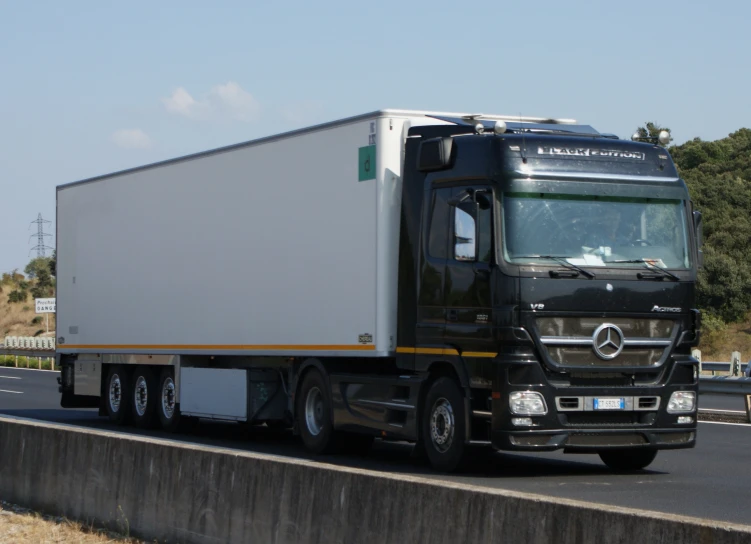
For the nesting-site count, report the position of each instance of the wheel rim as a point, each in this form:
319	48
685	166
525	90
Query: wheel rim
442	425
314	412
141	395
115	393
168	398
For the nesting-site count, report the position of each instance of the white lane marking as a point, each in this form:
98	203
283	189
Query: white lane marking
6	391
10	377
31	369
705	410
724	423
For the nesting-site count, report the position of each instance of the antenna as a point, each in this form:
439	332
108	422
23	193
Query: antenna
40	248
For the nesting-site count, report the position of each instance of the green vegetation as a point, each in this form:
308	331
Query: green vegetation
40	269
45	363
718	175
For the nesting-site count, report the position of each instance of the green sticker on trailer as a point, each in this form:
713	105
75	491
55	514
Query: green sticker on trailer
366	163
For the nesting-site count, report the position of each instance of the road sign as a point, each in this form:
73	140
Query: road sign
45	305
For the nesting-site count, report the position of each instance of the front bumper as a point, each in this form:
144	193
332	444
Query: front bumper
574	425
592	440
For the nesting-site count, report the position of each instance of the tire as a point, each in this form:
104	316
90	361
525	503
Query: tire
117	395
444	425
313	412
144	397
628	459
167	407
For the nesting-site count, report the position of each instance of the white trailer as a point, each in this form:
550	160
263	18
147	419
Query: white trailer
282	246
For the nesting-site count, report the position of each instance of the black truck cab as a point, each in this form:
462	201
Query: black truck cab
551	271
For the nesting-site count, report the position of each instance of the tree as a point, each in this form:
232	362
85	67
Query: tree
17	296
39	270
36	265
718	175
44	285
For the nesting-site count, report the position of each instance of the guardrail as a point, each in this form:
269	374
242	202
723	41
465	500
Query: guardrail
31	347
24	343
723	367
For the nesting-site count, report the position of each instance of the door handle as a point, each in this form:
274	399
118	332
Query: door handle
483	273
452	315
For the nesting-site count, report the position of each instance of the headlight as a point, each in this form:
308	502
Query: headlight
527	403
682	401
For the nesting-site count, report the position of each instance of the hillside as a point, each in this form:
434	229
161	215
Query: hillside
718	175
17	293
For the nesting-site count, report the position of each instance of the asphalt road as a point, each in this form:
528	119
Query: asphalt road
711	481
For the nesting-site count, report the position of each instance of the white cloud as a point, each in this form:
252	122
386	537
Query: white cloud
180	102
131	138
227	101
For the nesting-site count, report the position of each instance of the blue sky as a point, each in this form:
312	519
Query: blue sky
87	88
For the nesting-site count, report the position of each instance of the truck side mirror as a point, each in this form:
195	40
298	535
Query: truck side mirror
465	234
465	225
435	154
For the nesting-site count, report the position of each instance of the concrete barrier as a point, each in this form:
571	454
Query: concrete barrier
176	492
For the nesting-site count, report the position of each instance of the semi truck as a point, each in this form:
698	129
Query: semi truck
438	278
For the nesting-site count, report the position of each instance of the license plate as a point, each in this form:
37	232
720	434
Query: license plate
610	404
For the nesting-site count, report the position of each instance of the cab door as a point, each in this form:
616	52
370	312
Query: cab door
467	284
431	307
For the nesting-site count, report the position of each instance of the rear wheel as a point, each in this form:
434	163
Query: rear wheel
444	424
117	395
314	415
628	459
167	406
145	397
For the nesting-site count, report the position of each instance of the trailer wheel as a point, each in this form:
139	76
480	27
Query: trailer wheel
117	395
167	406
314	416
144	397
444	424
628	460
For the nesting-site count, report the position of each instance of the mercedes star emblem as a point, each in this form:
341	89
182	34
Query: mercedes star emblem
607	341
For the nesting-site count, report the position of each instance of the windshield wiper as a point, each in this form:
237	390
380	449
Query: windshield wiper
650	265
561	259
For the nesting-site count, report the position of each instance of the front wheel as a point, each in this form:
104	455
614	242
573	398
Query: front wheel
313	411
628	460
444	424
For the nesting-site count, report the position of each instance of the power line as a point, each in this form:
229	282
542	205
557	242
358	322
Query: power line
40	248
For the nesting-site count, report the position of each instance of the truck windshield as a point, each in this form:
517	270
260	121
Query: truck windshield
594	230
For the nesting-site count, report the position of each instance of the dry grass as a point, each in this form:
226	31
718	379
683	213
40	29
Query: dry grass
19	526
15	319
734	337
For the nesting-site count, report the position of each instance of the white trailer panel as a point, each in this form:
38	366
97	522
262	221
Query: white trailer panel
271	247
214	393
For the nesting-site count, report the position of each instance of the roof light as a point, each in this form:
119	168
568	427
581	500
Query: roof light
664	137
499	127
479	128
635	137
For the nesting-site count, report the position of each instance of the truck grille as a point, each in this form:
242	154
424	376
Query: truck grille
588	342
